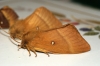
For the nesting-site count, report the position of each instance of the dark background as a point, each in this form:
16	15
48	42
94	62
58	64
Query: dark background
91	3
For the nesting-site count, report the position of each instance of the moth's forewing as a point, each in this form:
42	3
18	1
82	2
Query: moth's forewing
63	40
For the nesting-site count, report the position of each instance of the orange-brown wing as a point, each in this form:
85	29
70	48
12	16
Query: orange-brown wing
10	14
43	19
3	21
62	40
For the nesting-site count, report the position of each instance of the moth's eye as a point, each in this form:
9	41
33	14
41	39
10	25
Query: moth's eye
52	42
1	22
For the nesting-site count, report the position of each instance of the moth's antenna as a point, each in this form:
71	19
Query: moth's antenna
12	41
19	46
4	34
3	30
9	37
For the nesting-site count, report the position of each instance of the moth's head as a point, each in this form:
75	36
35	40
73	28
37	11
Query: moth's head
16	31
24	41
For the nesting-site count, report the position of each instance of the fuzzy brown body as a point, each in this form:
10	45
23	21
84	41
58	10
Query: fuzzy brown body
64	40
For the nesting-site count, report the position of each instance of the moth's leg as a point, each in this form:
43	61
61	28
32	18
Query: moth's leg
33	50
19	47
28	49
47	54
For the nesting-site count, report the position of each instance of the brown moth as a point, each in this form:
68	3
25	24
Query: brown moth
63	40
41	18
42	31
10	15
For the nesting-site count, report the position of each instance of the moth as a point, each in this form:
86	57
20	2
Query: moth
42	31
62	40
41	17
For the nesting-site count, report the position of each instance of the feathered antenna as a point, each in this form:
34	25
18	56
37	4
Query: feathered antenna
3	33
6	33
19	46
12	41
10	38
